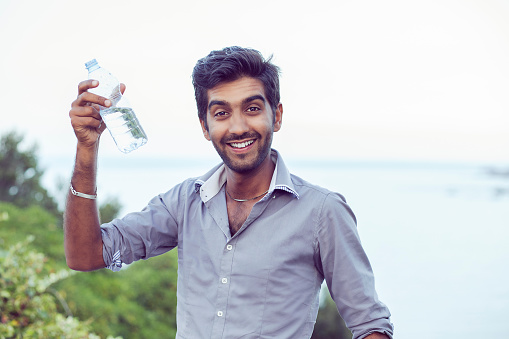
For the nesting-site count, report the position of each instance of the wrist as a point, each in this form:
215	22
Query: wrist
85	169
86	155
84	195
88	147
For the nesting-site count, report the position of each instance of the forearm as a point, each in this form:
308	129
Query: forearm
82	240
376	335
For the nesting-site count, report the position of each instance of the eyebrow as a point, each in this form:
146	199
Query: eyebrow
245	101
253	98
218	103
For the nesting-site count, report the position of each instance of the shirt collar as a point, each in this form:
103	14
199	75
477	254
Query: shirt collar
210	184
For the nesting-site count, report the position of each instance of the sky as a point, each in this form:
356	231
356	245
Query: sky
383	80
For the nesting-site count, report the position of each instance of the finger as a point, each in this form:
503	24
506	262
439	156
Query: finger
86	85
85	111
78	123
122	88
87	98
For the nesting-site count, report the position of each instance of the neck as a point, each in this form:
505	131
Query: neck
251	184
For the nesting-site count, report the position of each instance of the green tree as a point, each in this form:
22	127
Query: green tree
20	175
109	209
17	223
137	302
28	302
329	324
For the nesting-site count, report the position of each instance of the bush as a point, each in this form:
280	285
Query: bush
27	300
137	302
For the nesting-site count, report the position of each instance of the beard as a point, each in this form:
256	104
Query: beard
241	164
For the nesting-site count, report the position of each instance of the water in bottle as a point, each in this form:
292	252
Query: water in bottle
119	118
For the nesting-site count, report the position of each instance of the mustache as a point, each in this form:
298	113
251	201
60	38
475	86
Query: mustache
236	137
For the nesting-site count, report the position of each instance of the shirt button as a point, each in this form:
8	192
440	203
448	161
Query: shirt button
219	314
224	280
229	247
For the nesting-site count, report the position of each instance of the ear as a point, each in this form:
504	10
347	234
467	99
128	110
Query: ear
278	118
205	130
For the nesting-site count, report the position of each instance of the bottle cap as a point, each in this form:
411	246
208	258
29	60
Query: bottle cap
91	63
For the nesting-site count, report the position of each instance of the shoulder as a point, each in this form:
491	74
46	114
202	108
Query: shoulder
183	190
331	205
307	189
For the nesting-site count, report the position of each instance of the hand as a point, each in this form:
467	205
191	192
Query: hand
85	118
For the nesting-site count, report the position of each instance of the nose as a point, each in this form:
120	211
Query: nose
238	124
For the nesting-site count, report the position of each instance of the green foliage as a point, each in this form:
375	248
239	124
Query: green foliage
27	302
109	209
329	324
17	223
125	303
20	176
137	302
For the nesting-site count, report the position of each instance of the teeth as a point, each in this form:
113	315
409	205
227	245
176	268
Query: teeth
241	144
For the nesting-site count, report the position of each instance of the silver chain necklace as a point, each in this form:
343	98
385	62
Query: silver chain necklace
244	200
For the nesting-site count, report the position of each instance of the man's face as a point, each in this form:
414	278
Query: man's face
241	123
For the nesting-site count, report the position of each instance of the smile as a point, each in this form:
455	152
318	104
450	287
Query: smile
241	144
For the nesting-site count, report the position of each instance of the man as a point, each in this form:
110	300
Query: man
254	241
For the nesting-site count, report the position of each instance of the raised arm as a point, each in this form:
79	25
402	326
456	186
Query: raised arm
82	240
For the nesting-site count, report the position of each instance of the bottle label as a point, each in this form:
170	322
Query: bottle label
115	96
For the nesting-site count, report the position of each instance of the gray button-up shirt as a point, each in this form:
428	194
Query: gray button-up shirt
263	282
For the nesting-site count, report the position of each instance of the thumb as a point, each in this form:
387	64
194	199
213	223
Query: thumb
122	88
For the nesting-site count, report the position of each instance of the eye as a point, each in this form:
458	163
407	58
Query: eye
253	109
220	114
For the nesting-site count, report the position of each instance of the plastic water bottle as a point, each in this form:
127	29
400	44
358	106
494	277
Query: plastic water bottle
119	118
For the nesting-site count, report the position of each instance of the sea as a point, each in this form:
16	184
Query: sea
436	234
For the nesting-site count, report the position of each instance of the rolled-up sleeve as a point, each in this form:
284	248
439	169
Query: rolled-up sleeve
141	235
347	270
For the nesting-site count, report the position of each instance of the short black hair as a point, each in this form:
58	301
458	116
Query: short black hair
230	64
